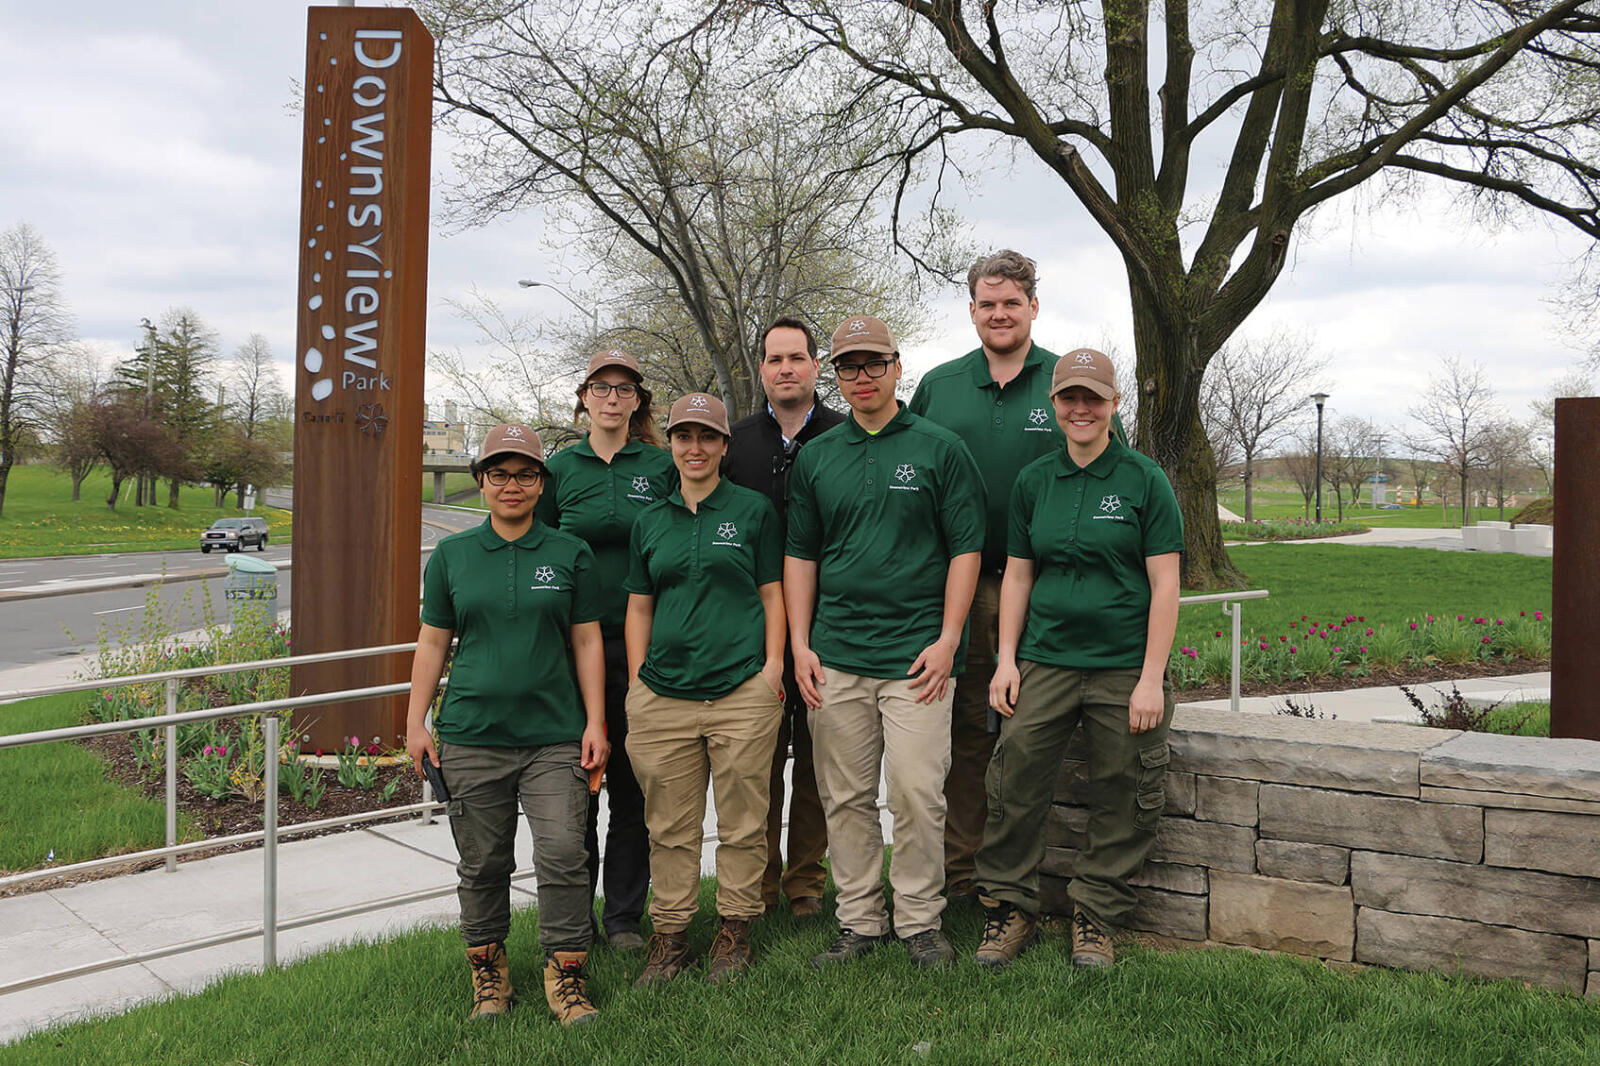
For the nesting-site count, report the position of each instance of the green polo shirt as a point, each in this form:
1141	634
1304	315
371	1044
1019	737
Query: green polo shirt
512	605
1088	531
1006	428
598	501
882	515
705	568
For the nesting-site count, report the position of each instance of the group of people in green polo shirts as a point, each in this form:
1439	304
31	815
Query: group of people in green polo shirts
953	589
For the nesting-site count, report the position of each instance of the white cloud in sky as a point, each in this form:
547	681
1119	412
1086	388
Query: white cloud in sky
150	146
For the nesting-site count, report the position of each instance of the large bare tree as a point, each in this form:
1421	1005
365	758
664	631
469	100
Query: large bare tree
33	323
686	174
1198	134
1458	415
1253	391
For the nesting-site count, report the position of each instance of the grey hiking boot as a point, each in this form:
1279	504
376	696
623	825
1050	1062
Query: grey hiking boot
930	950
848	945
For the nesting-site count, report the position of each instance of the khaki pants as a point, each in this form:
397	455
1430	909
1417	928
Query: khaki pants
866	725
808	830
971	743
675	746
1127	778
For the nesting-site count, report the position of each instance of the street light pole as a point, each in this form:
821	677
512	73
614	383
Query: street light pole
1319	398
593	316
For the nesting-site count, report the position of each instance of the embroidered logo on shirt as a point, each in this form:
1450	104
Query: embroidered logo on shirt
546	576
906	473
641	484
1111	505
1040	419
727	530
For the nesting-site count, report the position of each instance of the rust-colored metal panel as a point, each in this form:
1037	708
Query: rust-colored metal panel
359	358
1575	667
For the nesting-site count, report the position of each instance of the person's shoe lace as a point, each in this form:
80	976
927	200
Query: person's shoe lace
485	978
1088	933
569	987
995	920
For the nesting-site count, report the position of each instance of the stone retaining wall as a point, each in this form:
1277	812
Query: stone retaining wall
1396	845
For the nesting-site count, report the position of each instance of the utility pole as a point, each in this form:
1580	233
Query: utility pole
1319	398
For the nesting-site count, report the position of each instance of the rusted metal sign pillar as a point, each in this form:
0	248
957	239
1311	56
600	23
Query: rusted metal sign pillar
1574	666
359	358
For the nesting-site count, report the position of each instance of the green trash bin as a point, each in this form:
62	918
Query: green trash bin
251	589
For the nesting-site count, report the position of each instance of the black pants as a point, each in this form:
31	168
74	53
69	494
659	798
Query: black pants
627	867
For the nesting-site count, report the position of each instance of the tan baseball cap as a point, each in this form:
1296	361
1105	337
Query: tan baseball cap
513	438
862	333
613	357
700	408
1086	367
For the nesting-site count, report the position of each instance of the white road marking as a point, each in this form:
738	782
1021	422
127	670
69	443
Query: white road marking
119	610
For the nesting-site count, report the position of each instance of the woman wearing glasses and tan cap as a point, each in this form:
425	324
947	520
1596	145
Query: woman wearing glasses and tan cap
705	647
597	488
522	720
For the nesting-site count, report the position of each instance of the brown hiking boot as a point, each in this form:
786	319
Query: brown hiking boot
731	954
1091	945
491	981
668	955
564	988
1007	933
805	906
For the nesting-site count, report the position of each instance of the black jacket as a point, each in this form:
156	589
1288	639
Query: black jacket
758	460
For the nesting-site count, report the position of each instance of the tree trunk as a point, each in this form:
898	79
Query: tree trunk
1170	432
172	493
240	499
5	475
1249	488
116	489
1463	495
77	487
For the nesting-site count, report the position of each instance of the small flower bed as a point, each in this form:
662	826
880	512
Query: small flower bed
1287	529
1351	646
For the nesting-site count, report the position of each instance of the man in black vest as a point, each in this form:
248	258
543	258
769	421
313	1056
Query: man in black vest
763	449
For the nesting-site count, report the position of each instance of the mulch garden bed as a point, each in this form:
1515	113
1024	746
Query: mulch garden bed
1410	676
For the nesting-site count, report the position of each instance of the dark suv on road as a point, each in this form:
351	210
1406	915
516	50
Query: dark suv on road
232	534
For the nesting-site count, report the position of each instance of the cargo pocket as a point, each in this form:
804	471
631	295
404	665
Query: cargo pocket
1151	797
579	811
462	828
993	776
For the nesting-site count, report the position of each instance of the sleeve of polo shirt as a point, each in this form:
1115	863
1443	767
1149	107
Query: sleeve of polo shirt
964	510
919	399
638	579
438	609
1161	522
805	524
548	509
1019	521
769	546
586	597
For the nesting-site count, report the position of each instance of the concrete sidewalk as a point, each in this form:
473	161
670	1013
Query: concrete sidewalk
1386	703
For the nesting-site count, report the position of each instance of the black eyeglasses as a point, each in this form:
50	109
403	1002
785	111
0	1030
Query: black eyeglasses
527	477
603	388
875	368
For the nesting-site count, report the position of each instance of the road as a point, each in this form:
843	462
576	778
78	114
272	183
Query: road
78	607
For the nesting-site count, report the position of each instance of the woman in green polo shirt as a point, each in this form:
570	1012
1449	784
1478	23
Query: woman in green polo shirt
1088	607
705	648
522	600
597	488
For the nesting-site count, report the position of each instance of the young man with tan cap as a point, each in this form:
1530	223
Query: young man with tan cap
763	449
705	637
522	721
996	399
1088	608
886	521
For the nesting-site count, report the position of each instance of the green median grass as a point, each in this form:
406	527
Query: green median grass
404	1001
56	799
41	518
1327	582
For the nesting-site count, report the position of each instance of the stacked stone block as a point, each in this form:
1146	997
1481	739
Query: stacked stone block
1394	845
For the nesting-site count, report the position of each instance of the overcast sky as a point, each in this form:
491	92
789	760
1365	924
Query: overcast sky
153	146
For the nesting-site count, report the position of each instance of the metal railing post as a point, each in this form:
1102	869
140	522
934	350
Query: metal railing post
269	849
171	733
1234	609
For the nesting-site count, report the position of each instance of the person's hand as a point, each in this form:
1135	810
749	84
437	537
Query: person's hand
1146	706
772	673
808	674
1003	688
596	749
419	745
931	671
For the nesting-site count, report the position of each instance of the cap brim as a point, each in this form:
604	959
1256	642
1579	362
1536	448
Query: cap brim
525	453
1099	388
862	349
694	420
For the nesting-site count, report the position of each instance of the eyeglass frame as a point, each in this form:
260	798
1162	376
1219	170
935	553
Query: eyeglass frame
533	475
603	389
856	369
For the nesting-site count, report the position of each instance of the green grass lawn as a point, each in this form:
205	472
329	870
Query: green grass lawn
40	517
404	1001
1281	499
1381	585
453	483
56	797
